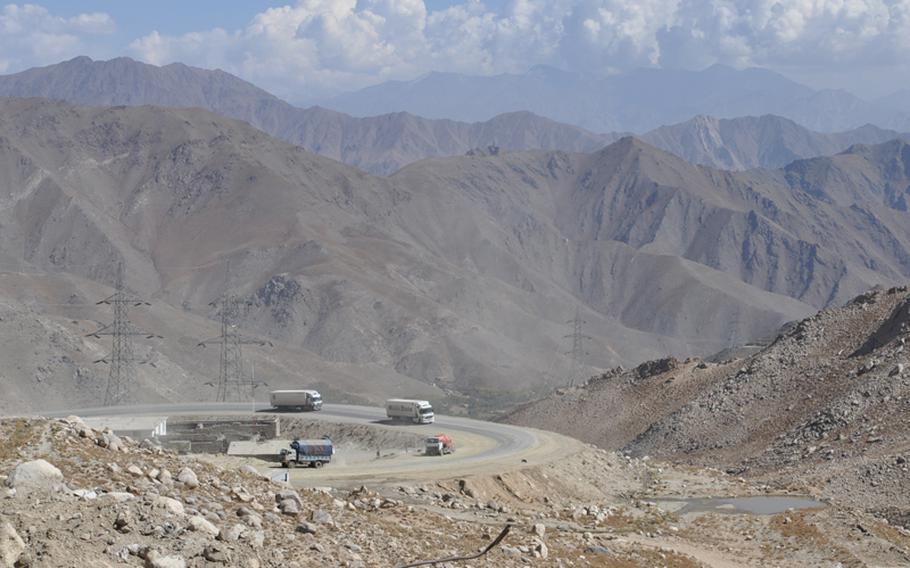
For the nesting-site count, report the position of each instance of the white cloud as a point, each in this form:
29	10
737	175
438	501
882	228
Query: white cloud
94	23
316	47
788	33
31	35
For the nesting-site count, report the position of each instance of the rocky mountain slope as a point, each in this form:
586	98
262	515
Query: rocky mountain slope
825	404
378	144
756	142
441	280
634	101
452	278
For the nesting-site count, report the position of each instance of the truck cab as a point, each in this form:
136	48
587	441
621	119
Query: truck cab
417	411
439	445
310	453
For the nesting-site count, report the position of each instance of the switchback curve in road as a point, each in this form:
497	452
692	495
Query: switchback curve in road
492	447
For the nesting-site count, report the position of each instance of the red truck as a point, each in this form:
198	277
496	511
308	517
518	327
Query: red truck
439	444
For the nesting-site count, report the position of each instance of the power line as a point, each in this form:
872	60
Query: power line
122	358
233	384
577	352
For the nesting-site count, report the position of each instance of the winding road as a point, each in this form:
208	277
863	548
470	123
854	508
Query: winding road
483	447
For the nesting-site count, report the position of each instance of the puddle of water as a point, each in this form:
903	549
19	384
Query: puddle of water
758	505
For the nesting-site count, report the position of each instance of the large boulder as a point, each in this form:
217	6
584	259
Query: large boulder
188	477
321	517
172	506
232	533
203	526
288	494
11	546
36	474
289	507
155	559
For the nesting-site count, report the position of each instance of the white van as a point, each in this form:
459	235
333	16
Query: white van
417	411
296	399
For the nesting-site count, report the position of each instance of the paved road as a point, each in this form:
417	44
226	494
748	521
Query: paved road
483	447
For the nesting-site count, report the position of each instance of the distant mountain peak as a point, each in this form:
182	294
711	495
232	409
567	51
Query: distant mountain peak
78	59
632	101
892	148
635	144
548	71
720	68
633	148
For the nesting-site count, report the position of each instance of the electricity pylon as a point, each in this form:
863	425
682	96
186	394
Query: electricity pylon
577	352
122	359
233	383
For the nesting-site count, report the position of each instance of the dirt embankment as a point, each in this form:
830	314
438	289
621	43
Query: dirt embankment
360	436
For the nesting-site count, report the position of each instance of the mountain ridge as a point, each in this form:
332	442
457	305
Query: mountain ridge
631	101
454	274
123	81
383	144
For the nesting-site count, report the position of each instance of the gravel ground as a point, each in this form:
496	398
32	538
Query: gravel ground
75	496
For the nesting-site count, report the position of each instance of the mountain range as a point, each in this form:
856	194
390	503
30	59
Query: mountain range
634	101
380	144
383	144
452	278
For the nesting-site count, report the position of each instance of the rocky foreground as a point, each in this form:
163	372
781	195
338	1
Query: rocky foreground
74	496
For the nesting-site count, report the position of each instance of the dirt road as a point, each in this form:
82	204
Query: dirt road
483	447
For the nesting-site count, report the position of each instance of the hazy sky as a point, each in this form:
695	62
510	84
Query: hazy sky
313	48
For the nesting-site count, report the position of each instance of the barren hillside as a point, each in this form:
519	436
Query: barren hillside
457	273
825	403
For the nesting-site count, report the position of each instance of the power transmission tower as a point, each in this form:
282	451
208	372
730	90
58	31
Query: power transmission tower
122	358
578	349
233	383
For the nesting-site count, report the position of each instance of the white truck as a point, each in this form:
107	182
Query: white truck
296	400
417	411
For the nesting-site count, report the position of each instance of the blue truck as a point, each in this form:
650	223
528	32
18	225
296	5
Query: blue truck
310	453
